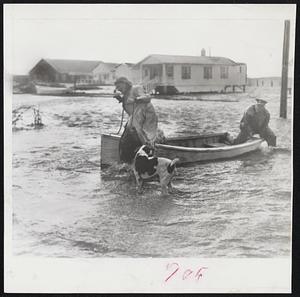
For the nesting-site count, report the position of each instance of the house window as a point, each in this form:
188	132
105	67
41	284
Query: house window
257	83
271	83
186	72
207	73
155	71
170	70
224	72
240	69
262	83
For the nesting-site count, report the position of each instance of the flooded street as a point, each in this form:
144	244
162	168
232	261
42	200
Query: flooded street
64	205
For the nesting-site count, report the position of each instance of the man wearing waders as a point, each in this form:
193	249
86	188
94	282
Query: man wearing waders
255	121
141	127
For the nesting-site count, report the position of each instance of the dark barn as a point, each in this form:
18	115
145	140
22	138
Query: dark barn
63	71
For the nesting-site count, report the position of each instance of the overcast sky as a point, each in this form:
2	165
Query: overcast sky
252	34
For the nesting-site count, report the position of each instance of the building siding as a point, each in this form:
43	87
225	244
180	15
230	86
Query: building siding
197	82
104	74
267	82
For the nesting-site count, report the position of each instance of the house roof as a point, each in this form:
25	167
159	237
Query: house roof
172	59
107	66
111	65
127	64
73	66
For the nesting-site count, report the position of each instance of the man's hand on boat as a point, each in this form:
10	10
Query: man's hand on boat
150	144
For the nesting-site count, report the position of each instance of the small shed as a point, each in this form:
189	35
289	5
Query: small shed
104	73
126	70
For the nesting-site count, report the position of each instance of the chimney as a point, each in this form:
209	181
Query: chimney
203	52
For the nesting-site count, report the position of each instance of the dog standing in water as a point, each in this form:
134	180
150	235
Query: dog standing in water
145	166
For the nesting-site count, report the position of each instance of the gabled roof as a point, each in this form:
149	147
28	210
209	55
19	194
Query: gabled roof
111	65
73	66
177	59
107	66
127	64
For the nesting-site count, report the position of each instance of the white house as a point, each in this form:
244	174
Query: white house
104	74
125	70
186	74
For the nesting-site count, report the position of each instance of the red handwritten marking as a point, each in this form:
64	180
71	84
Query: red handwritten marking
172	272
199	274
187	273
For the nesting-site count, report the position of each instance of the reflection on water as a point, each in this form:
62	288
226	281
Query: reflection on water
64	205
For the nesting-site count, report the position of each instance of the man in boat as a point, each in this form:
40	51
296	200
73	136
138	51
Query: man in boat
141	127
256	121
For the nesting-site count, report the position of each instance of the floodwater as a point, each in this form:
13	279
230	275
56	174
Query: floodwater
64	205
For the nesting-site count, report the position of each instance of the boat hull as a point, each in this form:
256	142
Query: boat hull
187	149
190	155
45	90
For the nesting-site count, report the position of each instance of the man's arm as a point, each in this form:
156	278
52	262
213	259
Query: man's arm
245	123
140	94
266	121
150	124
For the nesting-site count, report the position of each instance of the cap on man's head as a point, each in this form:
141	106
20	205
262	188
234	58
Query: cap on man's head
261	101
124	80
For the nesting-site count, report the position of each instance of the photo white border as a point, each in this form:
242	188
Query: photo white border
115	275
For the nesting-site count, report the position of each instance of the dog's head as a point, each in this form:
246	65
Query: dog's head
145	150
145	162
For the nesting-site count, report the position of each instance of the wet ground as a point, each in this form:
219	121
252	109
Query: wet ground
64	205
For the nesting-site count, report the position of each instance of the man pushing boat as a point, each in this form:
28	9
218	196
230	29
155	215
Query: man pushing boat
255	121
141	127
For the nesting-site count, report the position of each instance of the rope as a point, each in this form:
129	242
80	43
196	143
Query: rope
130	123
121	121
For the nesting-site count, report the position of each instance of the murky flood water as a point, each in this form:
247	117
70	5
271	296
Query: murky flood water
64	205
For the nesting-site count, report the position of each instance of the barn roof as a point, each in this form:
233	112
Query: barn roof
73	66
172	59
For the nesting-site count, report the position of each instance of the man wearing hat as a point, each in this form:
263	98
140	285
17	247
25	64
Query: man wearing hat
141	127
255	121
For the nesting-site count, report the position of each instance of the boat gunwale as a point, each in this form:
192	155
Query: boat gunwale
253	142
202	136
210	149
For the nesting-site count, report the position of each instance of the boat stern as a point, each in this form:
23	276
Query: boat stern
109	149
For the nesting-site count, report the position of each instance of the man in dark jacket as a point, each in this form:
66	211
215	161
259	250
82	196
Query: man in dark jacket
255	121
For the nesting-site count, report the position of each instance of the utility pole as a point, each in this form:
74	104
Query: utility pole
285	66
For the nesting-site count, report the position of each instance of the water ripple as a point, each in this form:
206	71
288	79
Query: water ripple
65	205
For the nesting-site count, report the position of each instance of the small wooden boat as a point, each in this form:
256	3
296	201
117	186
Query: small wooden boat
48	90
188	149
